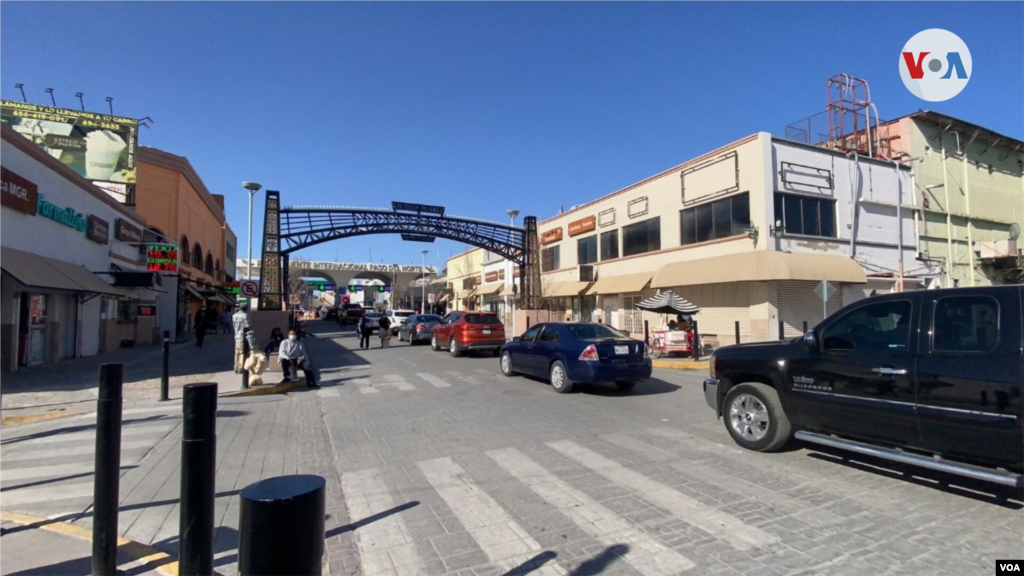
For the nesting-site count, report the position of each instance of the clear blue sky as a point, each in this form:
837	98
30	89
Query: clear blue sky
480	107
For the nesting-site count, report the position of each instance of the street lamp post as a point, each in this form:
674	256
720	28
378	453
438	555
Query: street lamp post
511	272
253	188
423	285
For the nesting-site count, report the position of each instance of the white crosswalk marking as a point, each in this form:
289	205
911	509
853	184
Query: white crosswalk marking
70	451
647	555
504	541
91	434
385	546
692	441
47	493
369	390
439	383
7	474
724	526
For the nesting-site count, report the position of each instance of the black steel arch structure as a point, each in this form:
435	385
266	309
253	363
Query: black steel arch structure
289	229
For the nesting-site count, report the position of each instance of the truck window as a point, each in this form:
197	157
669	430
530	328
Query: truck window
966	324
880	327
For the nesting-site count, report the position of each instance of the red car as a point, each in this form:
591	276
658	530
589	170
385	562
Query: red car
463	331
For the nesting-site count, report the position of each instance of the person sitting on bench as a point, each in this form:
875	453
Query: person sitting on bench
293	353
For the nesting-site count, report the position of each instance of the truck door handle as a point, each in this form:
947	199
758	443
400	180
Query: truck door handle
890	371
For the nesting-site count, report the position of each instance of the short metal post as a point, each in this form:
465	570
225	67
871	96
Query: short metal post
527	322
281	526
697	346
782	330
737	331
198	470
165	368
106	480
245	356
805	326
647	333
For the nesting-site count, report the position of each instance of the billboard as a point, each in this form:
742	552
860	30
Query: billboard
100	147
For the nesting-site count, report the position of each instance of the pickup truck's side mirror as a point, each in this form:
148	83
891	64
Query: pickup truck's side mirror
811	340
515	338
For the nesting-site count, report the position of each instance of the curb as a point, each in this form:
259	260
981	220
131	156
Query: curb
264	390
30	418
681	365
161	562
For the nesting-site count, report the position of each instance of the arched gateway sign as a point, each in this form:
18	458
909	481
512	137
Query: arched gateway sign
288	229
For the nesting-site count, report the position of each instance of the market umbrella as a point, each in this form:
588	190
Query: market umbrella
668	303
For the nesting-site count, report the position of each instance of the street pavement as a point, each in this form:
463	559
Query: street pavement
440	465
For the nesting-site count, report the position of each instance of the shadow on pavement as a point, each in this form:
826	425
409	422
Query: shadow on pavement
645	388
532	564
987	492
371	519
52	480
599	563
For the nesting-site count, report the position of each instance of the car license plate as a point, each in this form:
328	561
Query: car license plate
622	350
487	331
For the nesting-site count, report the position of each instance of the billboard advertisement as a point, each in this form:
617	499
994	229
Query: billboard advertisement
100	147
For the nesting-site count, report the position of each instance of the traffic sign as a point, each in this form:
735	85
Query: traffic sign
249	288
322	287
430	298
824	290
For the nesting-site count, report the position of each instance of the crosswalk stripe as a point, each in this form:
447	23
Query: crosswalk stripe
91	434
7	474
693	441
649	556
505	542
439	383
385	545
47	493
725	527
369	390
71	451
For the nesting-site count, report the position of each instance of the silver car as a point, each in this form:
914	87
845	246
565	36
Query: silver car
418	328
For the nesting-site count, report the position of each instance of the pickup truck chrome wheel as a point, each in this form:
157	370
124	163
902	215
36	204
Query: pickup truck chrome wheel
748	417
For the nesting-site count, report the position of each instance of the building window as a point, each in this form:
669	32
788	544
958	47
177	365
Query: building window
632	318
126	311
184	250
209	264
642	237
550	259
805	215
714	220
610	245
586	250
197	257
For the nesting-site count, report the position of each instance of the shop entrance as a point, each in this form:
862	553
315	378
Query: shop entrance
32	329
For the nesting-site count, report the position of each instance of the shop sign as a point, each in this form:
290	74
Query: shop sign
127	232
19	193
581	226
66	216
98	230
147	310
232	288
491	276
553	235
162	257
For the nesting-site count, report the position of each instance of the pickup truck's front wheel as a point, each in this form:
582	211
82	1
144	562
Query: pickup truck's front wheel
755	419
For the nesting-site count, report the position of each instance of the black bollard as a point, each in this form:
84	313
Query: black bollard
165	369
647	334
698	348
737	331
782	330
198	470
805	326
106	481
245	356
281	528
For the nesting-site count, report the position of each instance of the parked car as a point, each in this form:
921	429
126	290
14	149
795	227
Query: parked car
933	378
568	353
373	319
350	314
398	317
463	331
418	328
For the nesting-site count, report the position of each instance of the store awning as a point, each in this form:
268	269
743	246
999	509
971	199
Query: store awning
489	289
506	291
564	289
37	271
620	284
195	293
759	266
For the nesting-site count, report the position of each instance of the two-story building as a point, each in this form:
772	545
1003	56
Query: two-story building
746	232
464	278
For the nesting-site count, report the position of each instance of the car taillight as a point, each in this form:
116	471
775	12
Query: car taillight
420	327
589	354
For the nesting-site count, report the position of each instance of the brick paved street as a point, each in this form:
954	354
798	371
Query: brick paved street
436	465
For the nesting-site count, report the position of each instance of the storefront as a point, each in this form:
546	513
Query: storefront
74	277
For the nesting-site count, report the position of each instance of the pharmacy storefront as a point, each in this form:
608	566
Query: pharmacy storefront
74	281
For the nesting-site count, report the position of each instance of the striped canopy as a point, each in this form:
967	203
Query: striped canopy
668	303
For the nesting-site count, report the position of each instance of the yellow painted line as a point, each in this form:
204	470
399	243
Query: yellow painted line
163	563
681	365
264	390
30	418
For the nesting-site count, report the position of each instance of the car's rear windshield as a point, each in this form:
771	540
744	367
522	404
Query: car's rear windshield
401	314
587	331
428	318
482	319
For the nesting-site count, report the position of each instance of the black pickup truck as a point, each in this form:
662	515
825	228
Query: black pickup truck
932	378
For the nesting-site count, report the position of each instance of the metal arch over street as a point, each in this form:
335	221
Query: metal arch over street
289	229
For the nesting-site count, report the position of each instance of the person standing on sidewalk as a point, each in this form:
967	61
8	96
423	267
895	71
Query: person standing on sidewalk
363	327
200	326
385	331
239	322
293	353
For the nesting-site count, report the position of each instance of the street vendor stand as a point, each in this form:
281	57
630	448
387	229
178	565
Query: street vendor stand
664	341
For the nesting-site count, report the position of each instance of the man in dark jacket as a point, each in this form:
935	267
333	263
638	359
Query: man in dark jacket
200	327
385	331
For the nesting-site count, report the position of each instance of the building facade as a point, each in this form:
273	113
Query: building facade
74	270
746	232
464	277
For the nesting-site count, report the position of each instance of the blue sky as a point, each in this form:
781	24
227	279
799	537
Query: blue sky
479	107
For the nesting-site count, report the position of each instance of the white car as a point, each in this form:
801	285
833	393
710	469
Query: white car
373	320
397	317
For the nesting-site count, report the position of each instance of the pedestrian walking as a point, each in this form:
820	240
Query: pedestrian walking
385	331
239	322
200	327
293	354
363	327
225	322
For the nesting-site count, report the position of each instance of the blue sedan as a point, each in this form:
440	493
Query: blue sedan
567	353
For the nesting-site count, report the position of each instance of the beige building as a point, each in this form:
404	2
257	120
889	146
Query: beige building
746	232
464	277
